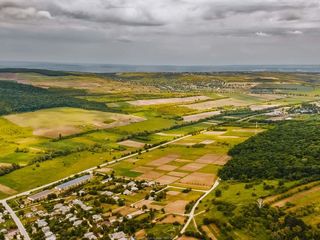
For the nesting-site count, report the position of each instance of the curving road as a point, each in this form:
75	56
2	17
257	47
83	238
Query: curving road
191	214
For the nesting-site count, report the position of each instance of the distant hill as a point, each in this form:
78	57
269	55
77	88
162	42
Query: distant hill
45	72
16	97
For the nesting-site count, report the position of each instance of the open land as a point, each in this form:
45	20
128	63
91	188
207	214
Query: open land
154	145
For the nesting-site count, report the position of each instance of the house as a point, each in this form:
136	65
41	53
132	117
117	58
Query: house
134	189
77	223
116	198
41	223
89	235
82	205
113	219
131	184
72	219
118	236
97	218
42	213
107	180
52	237
57	206
73	183
127	192
48	234
45	229
107	193
81	193
134	214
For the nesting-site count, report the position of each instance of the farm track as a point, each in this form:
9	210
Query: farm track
192	212
89	170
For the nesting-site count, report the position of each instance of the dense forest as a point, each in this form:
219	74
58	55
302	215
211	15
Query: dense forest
16	97
290	150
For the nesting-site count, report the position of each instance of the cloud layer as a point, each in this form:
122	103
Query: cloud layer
166	31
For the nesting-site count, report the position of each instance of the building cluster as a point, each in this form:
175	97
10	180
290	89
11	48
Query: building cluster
88	208
8	229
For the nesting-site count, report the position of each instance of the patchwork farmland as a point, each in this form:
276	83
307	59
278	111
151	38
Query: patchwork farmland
157	152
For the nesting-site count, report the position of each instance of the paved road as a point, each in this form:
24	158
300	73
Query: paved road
93	168
16	220
89	170
191	214
102	165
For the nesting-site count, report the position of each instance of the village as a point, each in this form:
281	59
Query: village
91	206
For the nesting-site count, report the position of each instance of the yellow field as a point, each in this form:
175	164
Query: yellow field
67	121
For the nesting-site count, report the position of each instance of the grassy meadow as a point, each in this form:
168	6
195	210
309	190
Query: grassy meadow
55	125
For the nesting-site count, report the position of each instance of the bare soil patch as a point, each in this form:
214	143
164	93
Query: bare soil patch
168	100
253	130
229	137
262	107
7	190
214	132
5	164
165	179
140	204
173	193
9	76
131	143
169	134
182	160
182	143
177	207
163	160
191	167
218	159
167	167
148	203
217	104
198	179
54	132
206	142
207	230
150	175
66	121
141	234
177	174
124	211
199	116
104	170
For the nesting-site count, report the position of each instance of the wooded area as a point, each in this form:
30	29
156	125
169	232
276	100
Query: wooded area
290	150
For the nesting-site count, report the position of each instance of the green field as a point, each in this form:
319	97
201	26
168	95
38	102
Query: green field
57	124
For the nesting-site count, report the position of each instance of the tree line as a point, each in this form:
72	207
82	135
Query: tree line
291	150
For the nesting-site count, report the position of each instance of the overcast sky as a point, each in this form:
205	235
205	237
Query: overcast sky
183	32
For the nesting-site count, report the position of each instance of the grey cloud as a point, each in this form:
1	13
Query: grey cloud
15	11
178	29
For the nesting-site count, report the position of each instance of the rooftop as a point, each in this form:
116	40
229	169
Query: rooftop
40	195
73	182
